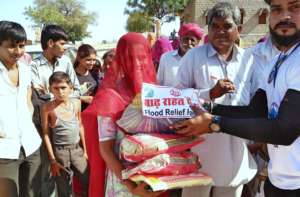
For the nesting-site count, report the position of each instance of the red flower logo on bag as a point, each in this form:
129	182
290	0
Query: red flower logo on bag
175	92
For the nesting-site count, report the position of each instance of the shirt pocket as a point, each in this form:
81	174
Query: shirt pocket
206	76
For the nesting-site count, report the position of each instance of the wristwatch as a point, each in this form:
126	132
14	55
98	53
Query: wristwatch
214	126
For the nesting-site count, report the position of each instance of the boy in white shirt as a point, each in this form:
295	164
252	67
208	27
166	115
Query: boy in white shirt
19	140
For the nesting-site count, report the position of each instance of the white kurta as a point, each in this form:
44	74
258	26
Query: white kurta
224	157
168	68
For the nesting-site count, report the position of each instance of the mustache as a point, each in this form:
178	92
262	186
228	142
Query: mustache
286	24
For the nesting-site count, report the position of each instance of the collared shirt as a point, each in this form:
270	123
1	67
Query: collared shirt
42	69
203	67
224	157
16	126
283	167
168	68
263	53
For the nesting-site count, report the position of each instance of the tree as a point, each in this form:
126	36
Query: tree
70	14
158	10
139	22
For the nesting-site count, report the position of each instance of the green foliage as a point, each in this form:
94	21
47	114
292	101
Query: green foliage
70	14
138	22
162	10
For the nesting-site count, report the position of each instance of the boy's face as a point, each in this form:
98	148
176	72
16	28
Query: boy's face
57	47
61	90
10	51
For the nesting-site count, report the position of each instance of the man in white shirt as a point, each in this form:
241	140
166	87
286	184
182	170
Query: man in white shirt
53	40
263	53
190	35
222	72
19	140
273	113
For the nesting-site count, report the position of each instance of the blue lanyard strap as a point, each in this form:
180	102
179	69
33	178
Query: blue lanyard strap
282	57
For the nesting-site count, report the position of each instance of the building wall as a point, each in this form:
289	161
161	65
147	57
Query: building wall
196	11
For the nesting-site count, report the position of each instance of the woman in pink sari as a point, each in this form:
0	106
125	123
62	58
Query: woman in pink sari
161	46
131	67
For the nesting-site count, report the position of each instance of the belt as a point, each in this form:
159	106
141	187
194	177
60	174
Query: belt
67	146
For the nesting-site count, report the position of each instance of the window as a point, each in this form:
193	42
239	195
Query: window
243	14
262	15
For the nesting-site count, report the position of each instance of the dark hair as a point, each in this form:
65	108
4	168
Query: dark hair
53	32
58	77
108	53
83	51
268	1
12	31
224	10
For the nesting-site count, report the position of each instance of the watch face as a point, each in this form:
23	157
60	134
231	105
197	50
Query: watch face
215	127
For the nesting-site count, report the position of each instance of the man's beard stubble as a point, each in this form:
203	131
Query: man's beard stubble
285	40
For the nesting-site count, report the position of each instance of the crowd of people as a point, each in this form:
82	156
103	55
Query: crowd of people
58	124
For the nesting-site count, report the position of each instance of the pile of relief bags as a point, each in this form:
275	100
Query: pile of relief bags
156	155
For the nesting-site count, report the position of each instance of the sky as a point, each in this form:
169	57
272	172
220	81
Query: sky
109	25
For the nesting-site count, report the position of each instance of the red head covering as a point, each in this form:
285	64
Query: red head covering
176	43
206	40
131	67
191	28
161	46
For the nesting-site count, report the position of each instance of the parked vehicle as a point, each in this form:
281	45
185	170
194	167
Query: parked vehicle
36	50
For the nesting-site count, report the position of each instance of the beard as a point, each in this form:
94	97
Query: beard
285	40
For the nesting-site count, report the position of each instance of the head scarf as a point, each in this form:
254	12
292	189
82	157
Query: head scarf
161	46
206	40
176	43
131	67
191	28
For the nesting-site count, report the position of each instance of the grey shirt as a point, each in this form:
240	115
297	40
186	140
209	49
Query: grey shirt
42	69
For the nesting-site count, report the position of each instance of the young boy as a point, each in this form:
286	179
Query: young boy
61	119
19	140
53	41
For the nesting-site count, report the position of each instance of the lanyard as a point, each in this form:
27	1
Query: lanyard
282	57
